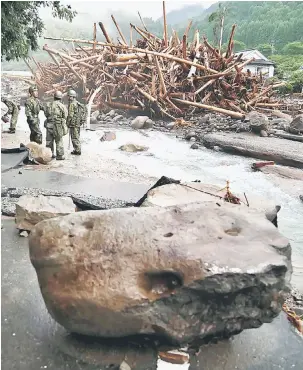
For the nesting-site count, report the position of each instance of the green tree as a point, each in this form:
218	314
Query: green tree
293	48
296	81
239	45
21	25
266	49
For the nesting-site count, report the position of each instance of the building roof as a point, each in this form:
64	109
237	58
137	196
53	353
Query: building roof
262	62
260	59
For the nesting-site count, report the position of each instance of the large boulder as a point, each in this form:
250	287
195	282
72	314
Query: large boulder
296	125
31	210
133	148
108	136
39	153
192	192
142	122
184	272
258	122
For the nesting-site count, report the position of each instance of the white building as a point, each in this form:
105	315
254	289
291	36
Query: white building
260	64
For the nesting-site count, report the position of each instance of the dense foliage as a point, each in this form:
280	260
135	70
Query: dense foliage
21	25
260	22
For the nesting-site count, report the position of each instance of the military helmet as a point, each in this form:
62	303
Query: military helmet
58	95
72	93
32	89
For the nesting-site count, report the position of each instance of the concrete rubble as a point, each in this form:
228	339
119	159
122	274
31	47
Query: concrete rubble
31	210
186	273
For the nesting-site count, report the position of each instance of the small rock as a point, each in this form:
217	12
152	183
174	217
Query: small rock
124	366
118	118
190	135
170	125
95	115
24	234
108	136
19	173
39	153
296	125
258	122
195	146
193	139
111	113
138	122
132	148
204	120
263	133
149	124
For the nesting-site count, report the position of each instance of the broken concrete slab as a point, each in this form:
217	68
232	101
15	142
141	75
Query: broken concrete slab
186	272
31	210
192	192
10	196
287	153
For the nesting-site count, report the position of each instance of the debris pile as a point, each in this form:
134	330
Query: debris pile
169	77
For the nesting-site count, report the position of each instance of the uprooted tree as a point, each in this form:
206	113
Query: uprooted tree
21	25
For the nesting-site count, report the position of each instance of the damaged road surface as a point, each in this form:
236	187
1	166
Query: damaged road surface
31	339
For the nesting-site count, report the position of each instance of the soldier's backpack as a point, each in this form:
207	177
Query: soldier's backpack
82	113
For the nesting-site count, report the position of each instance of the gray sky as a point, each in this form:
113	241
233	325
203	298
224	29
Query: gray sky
146	8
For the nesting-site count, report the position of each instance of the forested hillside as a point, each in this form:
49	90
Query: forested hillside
265	22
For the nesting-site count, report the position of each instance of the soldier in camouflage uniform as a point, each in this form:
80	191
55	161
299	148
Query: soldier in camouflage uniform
76	117
32	109
13	109
55	124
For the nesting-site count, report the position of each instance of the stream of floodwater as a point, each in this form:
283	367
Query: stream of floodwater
173	158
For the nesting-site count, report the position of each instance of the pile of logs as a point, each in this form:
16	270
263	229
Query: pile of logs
165	76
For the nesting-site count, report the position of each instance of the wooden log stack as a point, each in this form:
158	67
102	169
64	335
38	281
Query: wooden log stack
169	77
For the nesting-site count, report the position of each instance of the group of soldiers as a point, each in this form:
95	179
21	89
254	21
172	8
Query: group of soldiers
59	120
